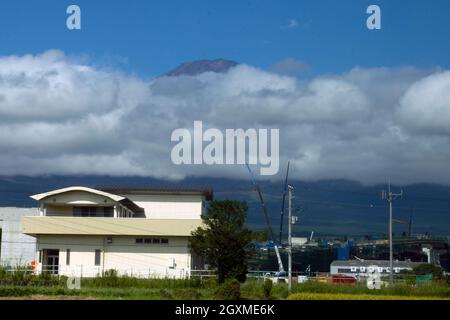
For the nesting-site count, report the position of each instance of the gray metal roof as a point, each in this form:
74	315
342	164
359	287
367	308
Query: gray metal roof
379	263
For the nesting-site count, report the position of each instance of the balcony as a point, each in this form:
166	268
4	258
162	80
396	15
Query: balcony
57	225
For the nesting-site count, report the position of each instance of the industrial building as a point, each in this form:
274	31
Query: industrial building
361	268
140	232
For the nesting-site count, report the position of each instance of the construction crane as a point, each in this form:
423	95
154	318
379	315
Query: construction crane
283	202
409	223
266	217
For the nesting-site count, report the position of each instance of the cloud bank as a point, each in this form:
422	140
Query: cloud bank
58	116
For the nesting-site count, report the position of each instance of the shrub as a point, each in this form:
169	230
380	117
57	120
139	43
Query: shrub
425	268
3	273
111	273
229	290
267	288
165	294
281	292
187	294
210	282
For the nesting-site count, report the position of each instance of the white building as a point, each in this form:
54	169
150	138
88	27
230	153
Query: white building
299	241
361	268
16	248
136	231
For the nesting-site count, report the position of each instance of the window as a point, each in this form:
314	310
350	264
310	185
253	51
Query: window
40	256
67	257
93	212
108	212
344	270
97	257
152	240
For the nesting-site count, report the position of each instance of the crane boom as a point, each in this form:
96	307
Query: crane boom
283	202
266	217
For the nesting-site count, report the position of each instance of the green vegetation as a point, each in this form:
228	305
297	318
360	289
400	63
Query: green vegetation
224	241
267	288
336	296
426	269
436	289
229	290
24	283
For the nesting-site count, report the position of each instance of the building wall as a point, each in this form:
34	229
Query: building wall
362	271
78	198
16	247
122	255
169	206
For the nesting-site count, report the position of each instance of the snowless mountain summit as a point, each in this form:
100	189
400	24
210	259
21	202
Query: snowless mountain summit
200	66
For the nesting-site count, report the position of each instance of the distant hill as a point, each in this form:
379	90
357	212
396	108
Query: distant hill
329	207
200	66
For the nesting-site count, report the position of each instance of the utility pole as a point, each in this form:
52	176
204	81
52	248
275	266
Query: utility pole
390	197
290	239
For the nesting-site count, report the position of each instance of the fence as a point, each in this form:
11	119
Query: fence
8	274
81	271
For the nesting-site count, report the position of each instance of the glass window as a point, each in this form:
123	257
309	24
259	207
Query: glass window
67	257
139	240
97	257
148	240
108	212
93	211
156	240
164	241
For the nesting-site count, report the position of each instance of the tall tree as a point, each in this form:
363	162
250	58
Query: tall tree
224	239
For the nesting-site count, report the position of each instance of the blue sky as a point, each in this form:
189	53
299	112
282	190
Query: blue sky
151	37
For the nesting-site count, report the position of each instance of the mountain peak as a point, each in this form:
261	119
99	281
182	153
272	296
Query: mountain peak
193	68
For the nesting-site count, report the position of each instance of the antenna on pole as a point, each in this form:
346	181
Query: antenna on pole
390	197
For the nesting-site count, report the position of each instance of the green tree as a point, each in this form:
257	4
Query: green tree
224	239
425	268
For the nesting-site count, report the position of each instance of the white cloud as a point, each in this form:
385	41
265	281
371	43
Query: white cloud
426	105
64	117
290	67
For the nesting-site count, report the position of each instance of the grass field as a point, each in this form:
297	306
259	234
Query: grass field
29	286
251	290
347	296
